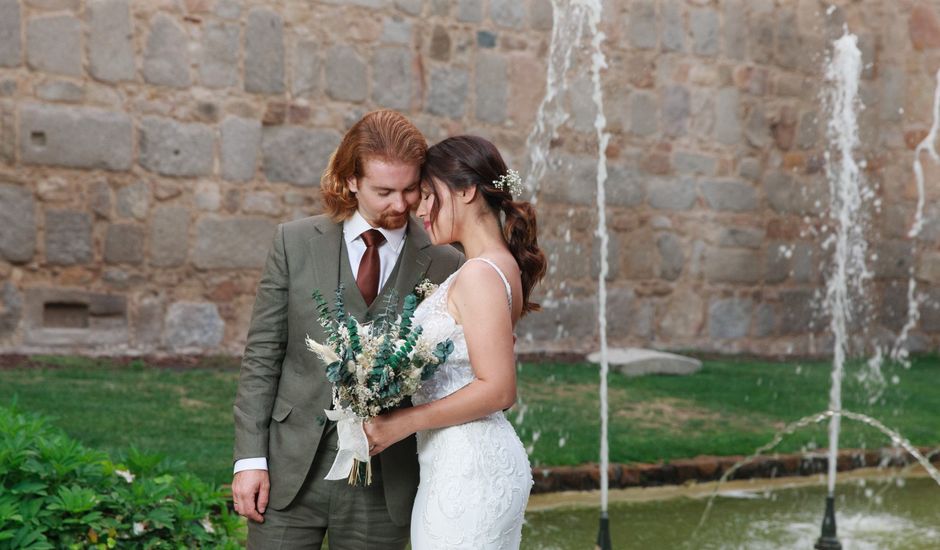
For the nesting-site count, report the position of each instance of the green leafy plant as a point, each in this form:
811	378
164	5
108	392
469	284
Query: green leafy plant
56	493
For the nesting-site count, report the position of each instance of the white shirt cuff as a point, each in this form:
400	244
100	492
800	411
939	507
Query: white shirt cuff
251	464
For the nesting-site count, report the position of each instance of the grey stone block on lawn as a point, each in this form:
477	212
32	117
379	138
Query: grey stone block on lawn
638	362
75	137
173	148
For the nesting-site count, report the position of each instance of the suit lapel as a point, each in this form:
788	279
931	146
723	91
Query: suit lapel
326	246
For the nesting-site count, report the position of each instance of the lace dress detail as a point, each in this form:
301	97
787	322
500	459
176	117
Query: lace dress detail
475	477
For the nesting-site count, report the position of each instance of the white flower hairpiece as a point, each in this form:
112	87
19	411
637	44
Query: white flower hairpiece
511	182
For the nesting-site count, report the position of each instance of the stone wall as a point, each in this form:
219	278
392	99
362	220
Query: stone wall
148	150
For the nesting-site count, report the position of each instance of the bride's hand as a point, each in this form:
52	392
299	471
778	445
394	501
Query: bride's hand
385	430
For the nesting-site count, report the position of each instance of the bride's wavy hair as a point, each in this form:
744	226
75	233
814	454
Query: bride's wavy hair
462	162
386	135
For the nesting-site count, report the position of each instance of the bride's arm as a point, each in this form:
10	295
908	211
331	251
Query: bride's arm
479	298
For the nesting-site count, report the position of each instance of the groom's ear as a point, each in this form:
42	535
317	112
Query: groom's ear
353	184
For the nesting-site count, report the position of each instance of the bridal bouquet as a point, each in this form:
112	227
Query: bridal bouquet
372	367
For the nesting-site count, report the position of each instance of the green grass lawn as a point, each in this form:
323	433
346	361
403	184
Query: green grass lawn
731	407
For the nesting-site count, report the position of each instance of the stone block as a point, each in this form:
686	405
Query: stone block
71	5
241	142
448	93
728	117
110	40
264	52
208	196
68	237
893	87
441	43
729	319
563	177
486	39
740	237
749	168
11	310
732	265
228	9
262	202
705	25
363	3
673	36
124	244
411	7
61	91
624	186
928	268
307	66
671	194
787	196
735	29
671	256
192	327
166	54
644	114
18	220
693	164
54	44
508	13
581	106
218	66
133	201
346	78
684	315
676	110
541	16
148	322
393	77
11	48
396	30
729	195
893	259
789	49
765	321
75	137
491	87
296	155
99	199
231	243
797	311
470	11
174	148
74	318
924	27
808	130
169	236
641	24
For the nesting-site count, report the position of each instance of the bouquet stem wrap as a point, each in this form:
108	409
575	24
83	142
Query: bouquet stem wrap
353	448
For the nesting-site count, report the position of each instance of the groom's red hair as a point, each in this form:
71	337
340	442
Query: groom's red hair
385	135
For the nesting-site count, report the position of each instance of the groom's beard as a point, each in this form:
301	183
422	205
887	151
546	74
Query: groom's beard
393	220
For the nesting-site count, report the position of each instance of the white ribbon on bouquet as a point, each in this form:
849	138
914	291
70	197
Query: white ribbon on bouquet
353	444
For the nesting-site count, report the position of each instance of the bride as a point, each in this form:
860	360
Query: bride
475	474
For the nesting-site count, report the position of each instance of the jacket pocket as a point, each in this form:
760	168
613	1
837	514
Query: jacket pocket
282	409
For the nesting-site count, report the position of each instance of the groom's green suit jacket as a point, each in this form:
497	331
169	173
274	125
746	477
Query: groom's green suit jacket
282	389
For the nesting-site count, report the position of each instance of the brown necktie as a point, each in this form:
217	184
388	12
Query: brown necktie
368	277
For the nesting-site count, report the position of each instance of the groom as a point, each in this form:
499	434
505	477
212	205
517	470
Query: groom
369	243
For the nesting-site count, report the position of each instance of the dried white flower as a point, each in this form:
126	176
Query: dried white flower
511	182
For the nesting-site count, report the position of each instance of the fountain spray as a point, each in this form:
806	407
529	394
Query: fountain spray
849	272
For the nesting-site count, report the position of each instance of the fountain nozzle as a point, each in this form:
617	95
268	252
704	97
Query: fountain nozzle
828	540
603	534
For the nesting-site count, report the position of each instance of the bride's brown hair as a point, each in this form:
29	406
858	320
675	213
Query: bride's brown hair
385	135
462	162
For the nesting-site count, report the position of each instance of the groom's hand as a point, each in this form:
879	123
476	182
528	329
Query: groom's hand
250	493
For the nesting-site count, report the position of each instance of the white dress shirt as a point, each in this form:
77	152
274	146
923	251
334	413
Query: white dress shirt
353	228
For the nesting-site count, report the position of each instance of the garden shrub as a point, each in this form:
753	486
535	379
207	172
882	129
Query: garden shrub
56	493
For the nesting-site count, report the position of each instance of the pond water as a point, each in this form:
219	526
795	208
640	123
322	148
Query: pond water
880	514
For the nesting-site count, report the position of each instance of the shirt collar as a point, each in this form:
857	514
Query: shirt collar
356	225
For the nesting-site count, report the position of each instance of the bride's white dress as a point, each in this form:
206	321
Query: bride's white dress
475	477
